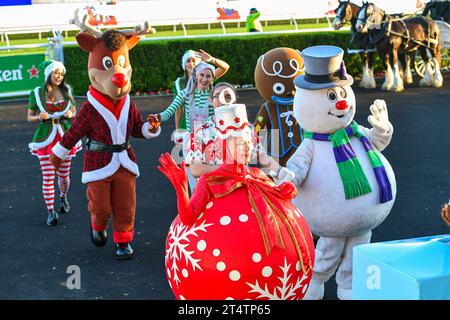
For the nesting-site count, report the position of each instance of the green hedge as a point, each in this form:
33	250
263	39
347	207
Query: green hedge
156	64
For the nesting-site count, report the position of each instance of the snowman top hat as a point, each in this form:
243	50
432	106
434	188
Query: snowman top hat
324	68
232	121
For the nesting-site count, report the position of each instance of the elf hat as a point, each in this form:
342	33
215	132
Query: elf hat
203	65
188	54
199	67
232	121
51	65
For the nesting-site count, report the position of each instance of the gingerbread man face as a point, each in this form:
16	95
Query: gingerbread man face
275	73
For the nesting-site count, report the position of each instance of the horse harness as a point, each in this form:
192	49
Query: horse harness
387	31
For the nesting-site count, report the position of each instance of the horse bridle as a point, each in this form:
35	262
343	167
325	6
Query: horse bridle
366	16
347	7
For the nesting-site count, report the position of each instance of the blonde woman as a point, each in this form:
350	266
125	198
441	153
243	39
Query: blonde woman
189	61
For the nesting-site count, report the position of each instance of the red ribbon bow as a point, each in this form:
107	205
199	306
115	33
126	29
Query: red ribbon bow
264	197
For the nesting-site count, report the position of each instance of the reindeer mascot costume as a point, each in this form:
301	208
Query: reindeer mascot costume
107	119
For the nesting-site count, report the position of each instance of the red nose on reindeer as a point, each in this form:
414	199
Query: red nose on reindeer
341	105
119	80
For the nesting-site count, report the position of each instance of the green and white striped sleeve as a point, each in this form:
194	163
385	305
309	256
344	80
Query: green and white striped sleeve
174	106
176	87
210	110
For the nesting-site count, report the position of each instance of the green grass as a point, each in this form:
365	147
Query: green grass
215	29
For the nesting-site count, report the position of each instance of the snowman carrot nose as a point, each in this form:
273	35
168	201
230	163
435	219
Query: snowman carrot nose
341	105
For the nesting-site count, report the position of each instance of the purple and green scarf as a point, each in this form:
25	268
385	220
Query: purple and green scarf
353	178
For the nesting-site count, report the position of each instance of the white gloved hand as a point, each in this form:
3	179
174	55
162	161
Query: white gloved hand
379	118
283	175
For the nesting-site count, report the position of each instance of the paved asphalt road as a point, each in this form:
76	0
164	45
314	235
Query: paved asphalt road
35	258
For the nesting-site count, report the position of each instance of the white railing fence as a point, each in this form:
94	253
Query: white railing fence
55	17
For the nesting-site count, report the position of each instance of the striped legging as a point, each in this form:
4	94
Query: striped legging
48	177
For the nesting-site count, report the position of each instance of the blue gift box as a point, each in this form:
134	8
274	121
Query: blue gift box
411	269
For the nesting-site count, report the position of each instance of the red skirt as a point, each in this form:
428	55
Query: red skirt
46	151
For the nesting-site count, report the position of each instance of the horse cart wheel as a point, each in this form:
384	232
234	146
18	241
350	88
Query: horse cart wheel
419	65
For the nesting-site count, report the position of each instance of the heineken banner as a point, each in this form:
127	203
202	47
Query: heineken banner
19	74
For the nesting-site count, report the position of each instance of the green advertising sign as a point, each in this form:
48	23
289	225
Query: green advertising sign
19	74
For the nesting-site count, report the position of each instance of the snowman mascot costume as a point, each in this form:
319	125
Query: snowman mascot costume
345	185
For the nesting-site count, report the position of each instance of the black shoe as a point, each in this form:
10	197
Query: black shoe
65	206
52	219
99	238
124	251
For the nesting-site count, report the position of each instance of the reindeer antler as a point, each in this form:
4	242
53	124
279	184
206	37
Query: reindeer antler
84	24
139	30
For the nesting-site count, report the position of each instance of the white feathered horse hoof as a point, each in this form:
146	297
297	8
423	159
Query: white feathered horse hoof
386	87
398	88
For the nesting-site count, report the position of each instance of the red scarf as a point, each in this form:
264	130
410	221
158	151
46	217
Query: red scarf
104	101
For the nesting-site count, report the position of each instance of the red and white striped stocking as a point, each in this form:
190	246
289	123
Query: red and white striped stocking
48	177
63	177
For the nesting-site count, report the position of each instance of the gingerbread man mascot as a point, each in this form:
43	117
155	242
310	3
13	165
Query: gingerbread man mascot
274	78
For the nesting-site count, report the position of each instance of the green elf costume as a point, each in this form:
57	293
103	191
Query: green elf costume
47	134
179	85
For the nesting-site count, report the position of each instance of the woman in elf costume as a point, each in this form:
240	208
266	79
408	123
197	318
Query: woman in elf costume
188	62
52	105
194	99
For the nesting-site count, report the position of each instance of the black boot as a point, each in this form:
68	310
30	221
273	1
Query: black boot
124	251
99	238
65	206
52	219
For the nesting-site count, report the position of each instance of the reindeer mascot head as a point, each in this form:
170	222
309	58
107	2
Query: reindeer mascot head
107	119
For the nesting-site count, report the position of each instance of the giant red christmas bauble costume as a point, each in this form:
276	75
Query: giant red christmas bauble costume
247	242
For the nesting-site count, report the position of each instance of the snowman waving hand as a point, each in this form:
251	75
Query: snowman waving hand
379	118
346	187
382	129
